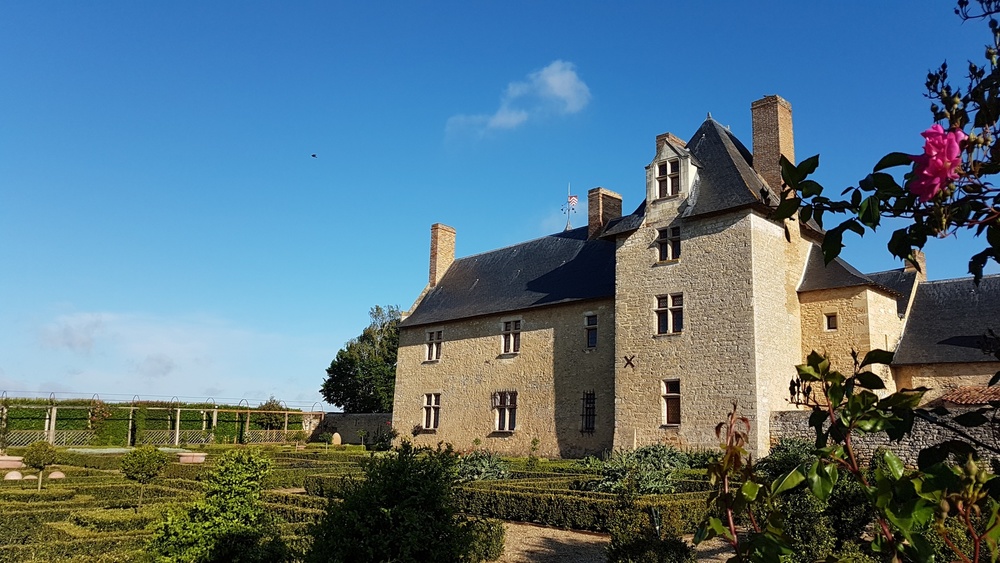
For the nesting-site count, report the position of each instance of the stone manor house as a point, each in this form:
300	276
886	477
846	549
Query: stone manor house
643	328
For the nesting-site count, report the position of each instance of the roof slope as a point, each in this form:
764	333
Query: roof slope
726	179
820	275
559	268
901	281
949	320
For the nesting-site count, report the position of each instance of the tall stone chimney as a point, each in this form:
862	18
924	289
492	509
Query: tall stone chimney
602	206
921	260
772	137
442	251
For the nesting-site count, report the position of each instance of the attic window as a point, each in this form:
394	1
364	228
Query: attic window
830	321
668	178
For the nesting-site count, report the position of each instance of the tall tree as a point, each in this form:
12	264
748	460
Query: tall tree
363	375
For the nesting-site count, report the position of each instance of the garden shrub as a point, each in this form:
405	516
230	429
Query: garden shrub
142	465
405	499
329	486
636	538
230	523
646	470
489	537
40	455
114	520
481	465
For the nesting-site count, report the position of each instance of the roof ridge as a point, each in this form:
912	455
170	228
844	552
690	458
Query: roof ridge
509	246
964	278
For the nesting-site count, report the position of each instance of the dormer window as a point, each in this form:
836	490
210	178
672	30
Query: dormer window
668	178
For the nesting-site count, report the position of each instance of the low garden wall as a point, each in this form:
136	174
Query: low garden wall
349	425
795	424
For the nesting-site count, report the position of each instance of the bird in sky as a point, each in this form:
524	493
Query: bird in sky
314	155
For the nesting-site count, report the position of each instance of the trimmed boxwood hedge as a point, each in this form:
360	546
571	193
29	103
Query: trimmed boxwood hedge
113	546
580	511
31	495
328	486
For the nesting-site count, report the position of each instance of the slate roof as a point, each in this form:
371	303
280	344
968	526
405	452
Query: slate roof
836	274
901	281
971	395
726	179
559	268
948	322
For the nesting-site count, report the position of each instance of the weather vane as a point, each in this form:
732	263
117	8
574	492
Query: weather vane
570	206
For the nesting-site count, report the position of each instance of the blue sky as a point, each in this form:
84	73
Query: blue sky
164	230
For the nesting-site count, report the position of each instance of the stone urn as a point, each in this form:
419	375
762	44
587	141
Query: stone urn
191	457
10	462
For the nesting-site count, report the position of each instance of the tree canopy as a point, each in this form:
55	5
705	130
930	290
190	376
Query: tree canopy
362	377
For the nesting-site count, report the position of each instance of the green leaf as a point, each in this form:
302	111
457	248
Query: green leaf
789	174
894	464
833	243
787	208
868	212
808	166
994	379
891	160
810	188
877	356
869	380
788	482
820	481
807	372
750	490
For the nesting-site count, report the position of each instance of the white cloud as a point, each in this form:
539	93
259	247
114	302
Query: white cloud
553	90
76	333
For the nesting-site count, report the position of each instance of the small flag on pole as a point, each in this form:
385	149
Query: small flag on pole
573	200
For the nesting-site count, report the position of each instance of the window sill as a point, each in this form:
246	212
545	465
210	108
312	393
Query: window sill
667	198
668	334
425	362
667	262
508	355
500	433
589	350
668	426
426	430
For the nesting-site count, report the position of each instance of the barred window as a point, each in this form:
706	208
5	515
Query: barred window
432	410
505	410
589	415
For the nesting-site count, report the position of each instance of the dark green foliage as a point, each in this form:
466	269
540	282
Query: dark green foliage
645	470
381	440
636	537
40	455
785	456
31	495
806	526
482	465
363	375
270	420
489	537
403	511
231	523
142	465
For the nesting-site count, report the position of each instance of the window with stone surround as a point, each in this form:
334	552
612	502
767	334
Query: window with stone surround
670	313
668	243
830	321
668	178
505	411
590	330
670	390
588	418
432	410
511	337
433	345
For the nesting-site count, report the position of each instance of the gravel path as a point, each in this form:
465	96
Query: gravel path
530	543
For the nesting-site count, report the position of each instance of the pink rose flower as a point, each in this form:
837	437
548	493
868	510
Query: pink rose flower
939	164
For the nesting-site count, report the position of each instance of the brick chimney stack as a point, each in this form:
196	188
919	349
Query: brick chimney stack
772	137
442	251
602	206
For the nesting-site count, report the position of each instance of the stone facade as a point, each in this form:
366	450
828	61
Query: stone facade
550	373
707	304
942	378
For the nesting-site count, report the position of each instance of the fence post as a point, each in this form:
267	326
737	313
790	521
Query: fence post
128	435
177	428
52	427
